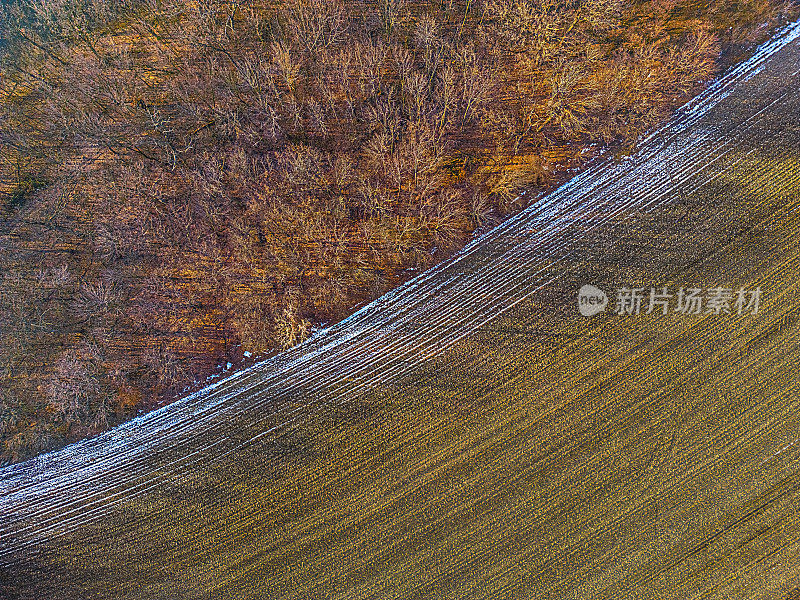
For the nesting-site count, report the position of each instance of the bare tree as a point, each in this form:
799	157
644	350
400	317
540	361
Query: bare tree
316	24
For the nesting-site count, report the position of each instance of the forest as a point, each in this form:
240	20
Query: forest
184	184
